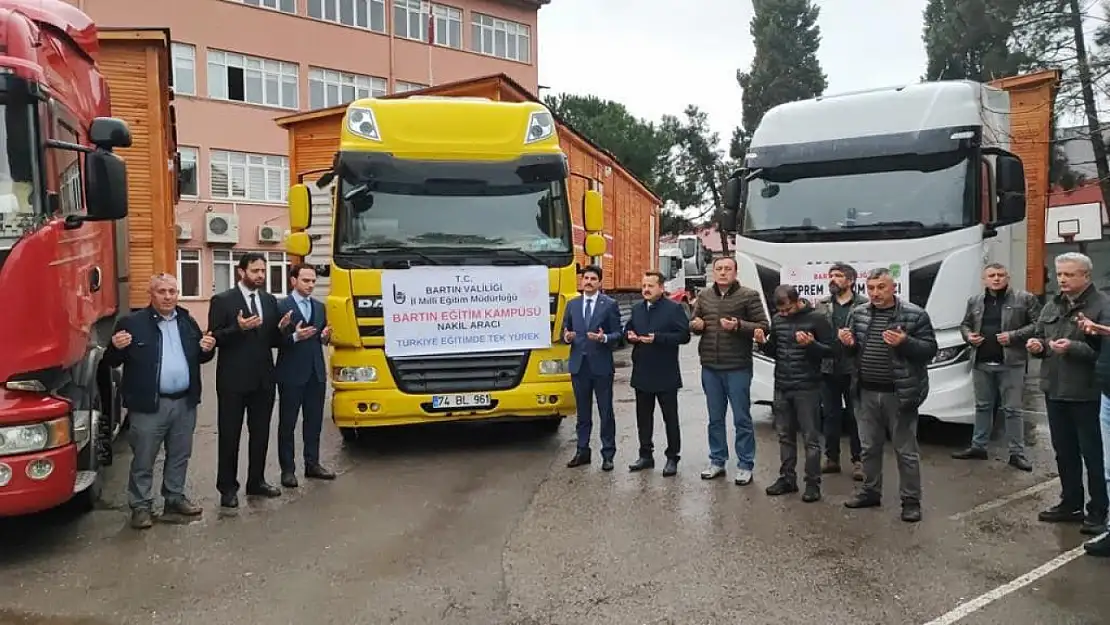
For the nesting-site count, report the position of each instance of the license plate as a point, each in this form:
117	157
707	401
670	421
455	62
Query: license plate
462	400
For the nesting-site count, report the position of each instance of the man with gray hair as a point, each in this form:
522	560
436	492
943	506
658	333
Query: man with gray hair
1072	393
161	348
893	341
997	323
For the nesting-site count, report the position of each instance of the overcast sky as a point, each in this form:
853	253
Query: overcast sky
656	59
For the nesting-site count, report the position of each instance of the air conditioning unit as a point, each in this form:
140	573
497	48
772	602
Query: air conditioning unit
221	228
184	232
270	234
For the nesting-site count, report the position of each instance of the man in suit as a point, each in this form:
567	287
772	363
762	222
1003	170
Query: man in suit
656	329
302	378
592	327
247	326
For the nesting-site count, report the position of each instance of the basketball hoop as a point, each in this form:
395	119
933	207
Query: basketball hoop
1066	229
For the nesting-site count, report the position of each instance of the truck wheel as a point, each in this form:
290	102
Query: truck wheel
687	307
350	435
549	425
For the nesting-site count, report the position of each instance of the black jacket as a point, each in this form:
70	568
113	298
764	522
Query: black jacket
910	359
1020	310
655	366
1070	376
246	361
797	366
839	362
142	359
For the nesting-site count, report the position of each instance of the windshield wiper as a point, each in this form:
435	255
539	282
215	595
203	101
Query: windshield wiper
475	249
890	224
784	229
370	247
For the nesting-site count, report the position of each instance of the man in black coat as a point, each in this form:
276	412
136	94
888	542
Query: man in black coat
801	337
656	328
247	326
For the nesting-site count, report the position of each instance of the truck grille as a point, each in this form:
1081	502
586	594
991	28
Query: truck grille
459	374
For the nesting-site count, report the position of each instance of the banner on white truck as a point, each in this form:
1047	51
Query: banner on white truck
432	311
812	279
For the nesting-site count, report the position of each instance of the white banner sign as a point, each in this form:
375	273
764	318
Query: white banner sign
813	280
451	310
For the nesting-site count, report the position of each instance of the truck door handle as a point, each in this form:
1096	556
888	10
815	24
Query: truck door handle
94	279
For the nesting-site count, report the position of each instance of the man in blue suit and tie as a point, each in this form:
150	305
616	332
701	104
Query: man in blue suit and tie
302	378
592	327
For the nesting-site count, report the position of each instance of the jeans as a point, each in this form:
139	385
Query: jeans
839	415
1077	441
999	385
1104	423
880	414
799	412
722	388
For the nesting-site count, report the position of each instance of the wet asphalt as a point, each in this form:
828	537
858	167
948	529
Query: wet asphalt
484	525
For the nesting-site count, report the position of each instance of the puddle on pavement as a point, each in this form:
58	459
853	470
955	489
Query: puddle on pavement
9	617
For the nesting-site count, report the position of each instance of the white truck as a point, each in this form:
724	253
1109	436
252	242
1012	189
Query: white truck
673	268
918	178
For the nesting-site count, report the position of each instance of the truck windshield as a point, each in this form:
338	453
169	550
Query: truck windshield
916	195
689	246
18	199
668	266
487	210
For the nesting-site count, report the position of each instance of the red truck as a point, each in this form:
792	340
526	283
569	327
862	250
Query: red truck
64	260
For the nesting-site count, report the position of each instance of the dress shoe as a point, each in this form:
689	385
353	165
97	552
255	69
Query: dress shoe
289	479
971	453
182	507
1020	463
861	500
641	464
812	493
607	465
318	472
580	458
229	500
1061	514
1099	547
1093	526
263	489
141	519
671	468
782	486
857	471
830	466
911	511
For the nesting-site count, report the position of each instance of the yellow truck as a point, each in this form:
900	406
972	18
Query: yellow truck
451	263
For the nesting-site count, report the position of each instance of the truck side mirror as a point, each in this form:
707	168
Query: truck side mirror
733	194
593	211
107	133
1010	184
300	208
105	186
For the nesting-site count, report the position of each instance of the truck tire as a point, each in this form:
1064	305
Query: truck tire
549	425
88	459
687	307
350	435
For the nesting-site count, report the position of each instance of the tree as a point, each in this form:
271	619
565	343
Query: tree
697	169
785	66
970	39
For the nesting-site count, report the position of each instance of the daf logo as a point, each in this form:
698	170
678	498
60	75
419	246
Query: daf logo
364	303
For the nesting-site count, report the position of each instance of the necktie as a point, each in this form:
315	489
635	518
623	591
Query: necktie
306	310
589	312
254	307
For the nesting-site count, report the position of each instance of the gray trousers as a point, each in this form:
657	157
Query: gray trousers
877	415
1002	386
799	412
172	426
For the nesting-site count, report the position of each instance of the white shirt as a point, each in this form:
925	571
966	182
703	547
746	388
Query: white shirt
247	297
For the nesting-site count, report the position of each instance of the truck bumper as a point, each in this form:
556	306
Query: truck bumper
356	408
951	398
24	495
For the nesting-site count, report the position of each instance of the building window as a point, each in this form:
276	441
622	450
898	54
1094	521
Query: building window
242	78
448	29
225	261
184	68
409	20
401	86
248	177
500	38
187	181
285	6
368	14
331	88
188	273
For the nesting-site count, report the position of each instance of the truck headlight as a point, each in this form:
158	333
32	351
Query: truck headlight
361	121
355	374
22	439
541	125
949	356
554	367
